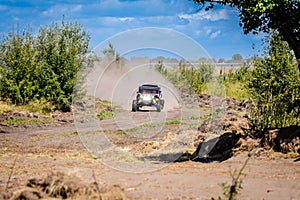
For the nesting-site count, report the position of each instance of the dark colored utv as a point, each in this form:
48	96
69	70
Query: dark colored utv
148	95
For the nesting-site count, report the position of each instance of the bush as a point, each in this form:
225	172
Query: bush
42	66
274	87
234	81
187	77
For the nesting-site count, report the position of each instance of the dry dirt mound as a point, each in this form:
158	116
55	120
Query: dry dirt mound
235	134
149	146
16	121
225	146
236	119
284	140
28	119
62	186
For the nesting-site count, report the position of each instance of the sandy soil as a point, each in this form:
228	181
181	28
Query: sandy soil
31	153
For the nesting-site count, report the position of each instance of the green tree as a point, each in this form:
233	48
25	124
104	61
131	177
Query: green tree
112	55
18	67
206	71
266	15
237	57
221	60
110	51
44	66
274	88
61	53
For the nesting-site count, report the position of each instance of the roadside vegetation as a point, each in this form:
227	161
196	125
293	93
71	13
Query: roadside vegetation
38	106
42	67
271	83
274	87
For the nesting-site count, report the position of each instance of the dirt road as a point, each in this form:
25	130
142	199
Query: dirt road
26	155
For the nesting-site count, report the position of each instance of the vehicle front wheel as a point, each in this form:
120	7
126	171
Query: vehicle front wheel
158	108
162	103
134	106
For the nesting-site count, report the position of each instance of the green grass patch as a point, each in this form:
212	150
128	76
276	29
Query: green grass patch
153	125
74	133
106	115
16	122
193	117
106	109
175	121
120	132
132	130
106	102
39	106
236	90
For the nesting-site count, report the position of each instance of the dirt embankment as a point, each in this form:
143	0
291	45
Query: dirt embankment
236	135
62	186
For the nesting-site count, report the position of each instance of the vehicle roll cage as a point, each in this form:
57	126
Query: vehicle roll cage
152	88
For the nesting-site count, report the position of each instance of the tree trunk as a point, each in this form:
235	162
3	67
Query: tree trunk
293	43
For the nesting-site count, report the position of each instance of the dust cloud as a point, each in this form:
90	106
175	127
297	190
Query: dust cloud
119	83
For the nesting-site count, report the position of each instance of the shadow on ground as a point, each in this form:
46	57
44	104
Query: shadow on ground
285	140
222	150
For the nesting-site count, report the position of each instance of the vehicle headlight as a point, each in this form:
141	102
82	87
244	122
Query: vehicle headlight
146	98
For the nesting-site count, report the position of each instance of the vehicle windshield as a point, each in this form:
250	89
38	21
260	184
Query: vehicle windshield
147	91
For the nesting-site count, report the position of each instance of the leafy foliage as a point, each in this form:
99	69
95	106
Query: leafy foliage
187	77
42	66
273	84
274	87
18	67
237	57
266	15
236	75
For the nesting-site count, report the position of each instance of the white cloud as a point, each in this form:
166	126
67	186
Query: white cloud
126	19
209	15
215	34
198	32
76	8
109	21
15	18
60	9
54	10
208	31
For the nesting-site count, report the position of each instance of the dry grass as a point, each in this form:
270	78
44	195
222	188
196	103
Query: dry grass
40	107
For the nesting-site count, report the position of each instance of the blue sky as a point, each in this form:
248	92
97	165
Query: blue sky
217	31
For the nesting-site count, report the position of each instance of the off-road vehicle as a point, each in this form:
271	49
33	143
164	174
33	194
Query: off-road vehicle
148	95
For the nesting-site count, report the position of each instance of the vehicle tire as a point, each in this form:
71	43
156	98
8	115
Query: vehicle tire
158	108
134	106
162	103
